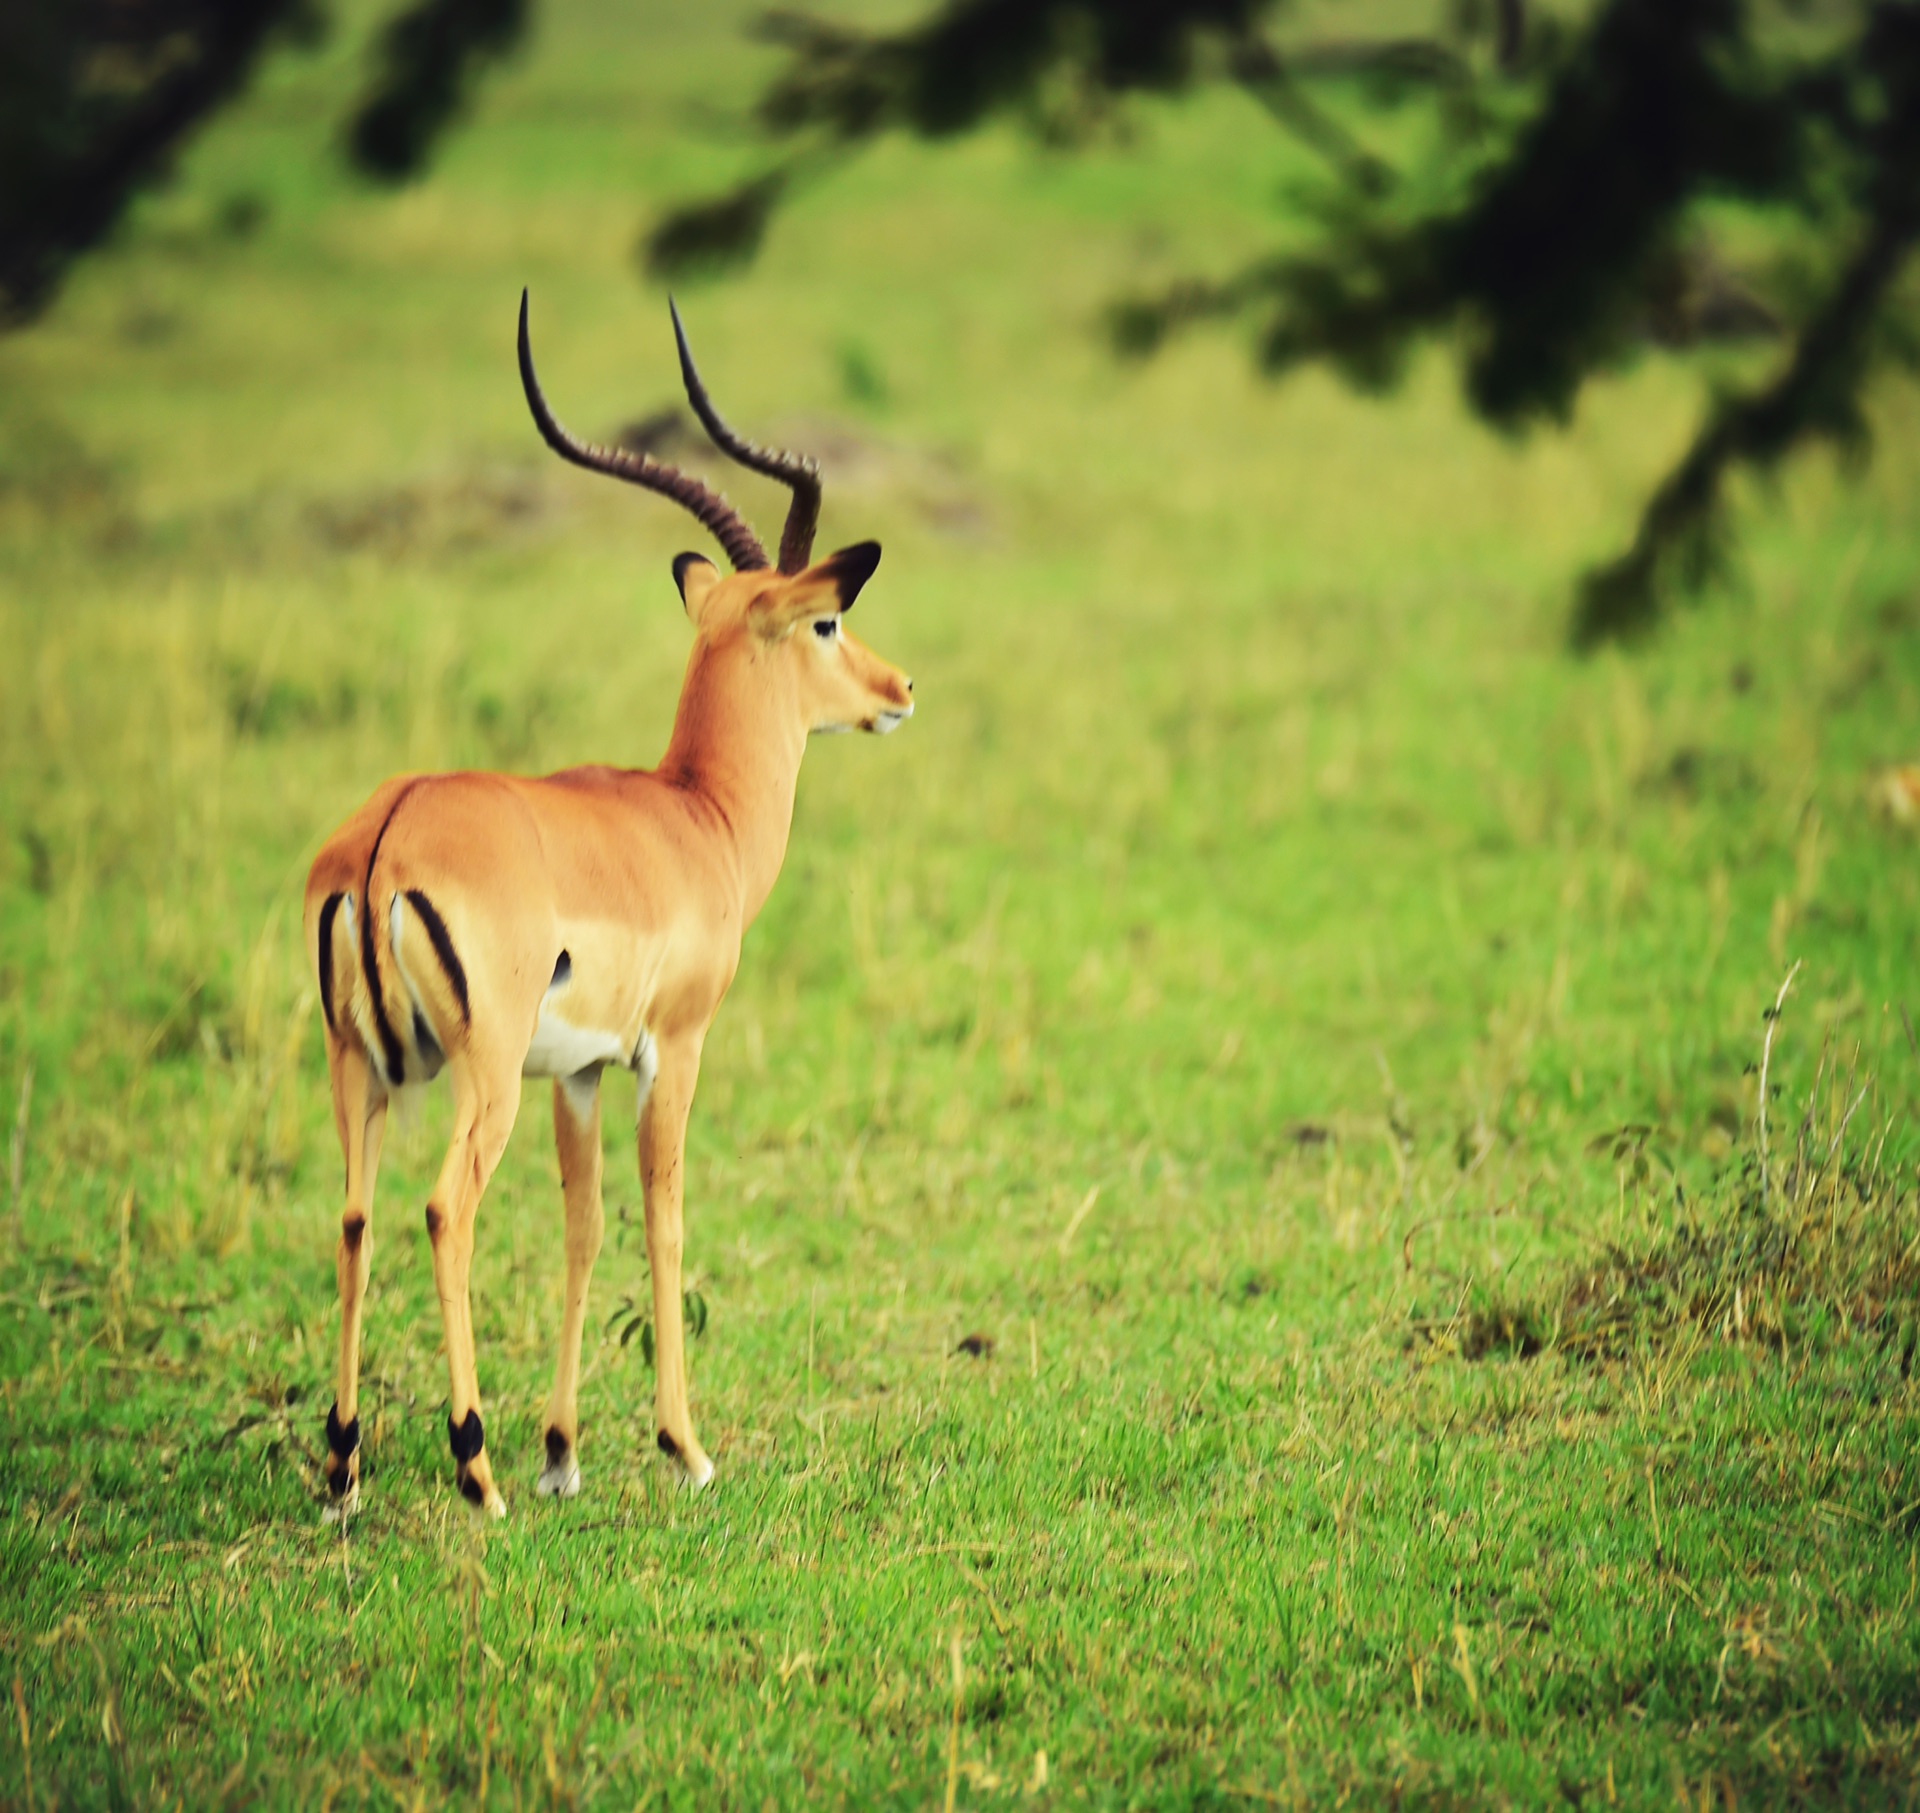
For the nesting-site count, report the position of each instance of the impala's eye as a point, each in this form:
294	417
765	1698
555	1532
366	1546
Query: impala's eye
826	628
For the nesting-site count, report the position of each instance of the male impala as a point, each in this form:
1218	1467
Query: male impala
500	927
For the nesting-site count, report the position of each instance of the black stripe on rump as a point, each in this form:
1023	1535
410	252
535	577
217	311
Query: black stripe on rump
329	907
443	949
369	958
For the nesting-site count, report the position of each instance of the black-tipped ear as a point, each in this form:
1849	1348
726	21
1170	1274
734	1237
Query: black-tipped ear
850	569
683	564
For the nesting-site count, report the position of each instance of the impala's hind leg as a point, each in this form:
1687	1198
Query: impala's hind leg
485	1103
360	1118
576	1131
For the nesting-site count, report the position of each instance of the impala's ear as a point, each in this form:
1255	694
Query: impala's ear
828	585
696	576
848	570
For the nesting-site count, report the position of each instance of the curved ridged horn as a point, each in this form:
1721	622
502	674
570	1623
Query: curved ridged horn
799	473
728	526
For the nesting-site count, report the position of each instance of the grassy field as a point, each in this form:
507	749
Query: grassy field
1301	1027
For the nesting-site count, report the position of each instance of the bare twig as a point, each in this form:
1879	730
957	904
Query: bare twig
953	1734
26	1731
1766	1059
1802	1140
1833	1146
1261	72
1811	396
1463	1666
993	1611
1077	1217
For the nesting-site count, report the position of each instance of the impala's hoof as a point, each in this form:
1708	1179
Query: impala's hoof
696	1470
561	1479
482	1496
342	1470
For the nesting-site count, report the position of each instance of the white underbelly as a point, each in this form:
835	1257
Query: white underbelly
561	1048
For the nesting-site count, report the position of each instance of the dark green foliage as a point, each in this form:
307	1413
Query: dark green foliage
429	58
98	99
1557	232
1547	260
1872	108
973	58
715	235
95	100
632	1318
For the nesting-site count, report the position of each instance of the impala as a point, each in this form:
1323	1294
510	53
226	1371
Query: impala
498	927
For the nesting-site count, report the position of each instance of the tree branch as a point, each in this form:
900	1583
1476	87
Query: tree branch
1816	395
64	201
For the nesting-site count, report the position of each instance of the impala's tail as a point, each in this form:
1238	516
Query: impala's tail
388	970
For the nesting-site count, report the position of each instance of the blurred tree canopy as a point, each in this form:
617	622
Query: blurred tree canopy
1555	224
98	96
1558	226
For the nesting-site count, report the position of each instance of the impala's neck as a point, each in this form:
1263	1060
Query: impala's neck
737	742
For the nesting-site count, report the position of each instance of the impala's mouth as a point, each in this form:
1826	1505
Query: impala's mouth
885	721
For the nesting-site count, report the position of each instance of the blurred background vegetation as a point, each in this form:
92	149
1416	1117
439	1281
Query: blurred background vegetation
1304	1020
1560	204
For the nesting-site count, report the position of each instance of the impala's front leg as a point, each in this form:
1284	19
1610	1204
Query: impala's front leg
360	1118
576	1131
663	1165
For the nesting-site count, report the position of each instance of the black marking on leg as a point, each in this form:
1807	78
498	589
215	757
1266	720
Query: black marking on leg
668	1445
353	1229
562	970
471	1489
342	1441
443	949
435	1222
466	1439
328	909
423	1040
558	1447
369	958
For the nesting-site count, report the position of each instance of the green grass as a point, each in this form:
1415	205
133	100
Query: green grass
1226	998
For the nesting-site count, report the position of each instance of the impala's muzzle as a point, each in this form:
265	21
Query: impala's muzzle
897	691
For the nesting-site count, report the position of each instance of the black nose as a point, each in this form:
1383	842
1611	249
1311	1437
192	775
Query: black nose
909	686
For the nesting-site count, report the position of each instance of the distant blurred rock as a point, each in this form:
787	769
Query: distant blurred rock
448	512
